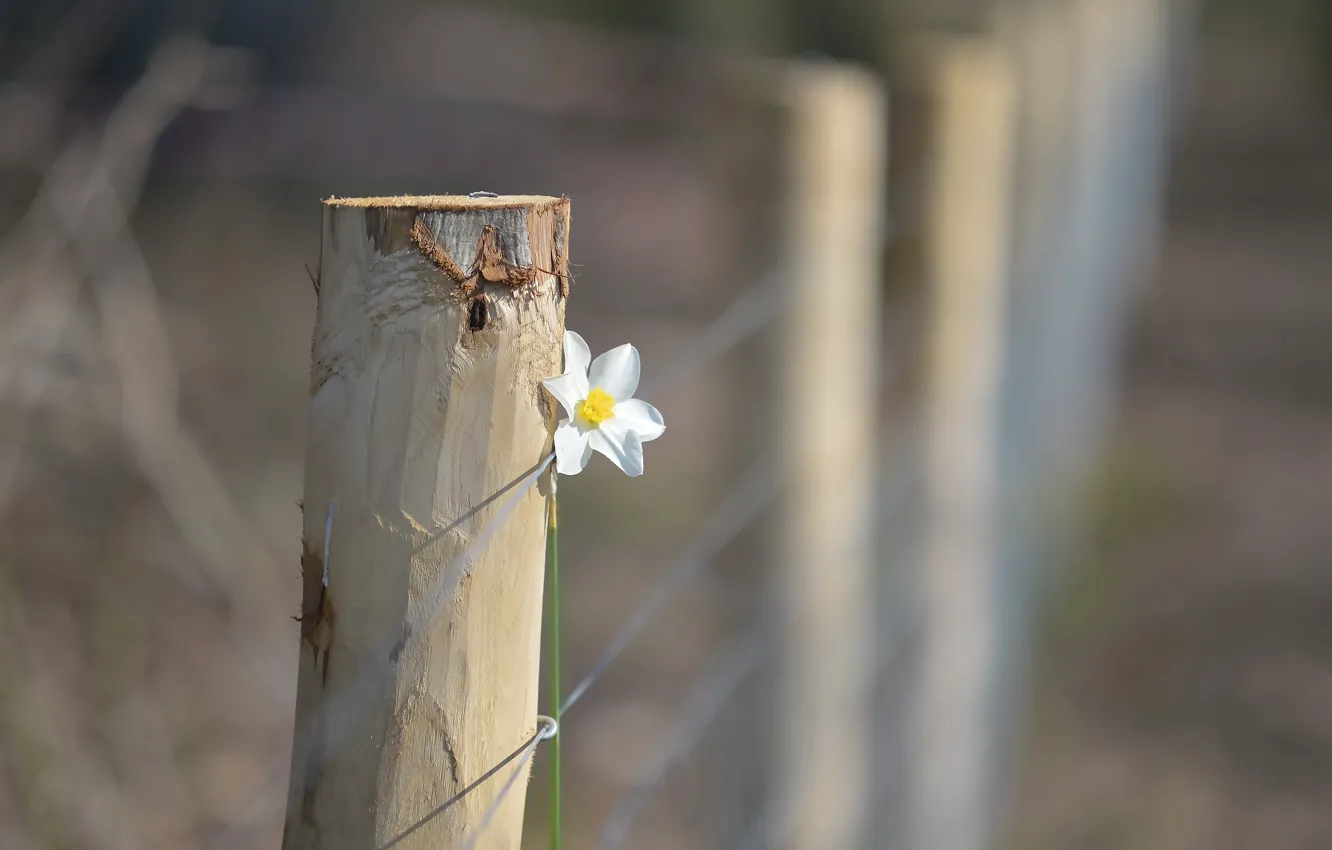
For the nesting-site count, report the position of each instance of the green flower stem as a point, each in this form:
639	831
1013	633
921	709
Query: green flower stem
553	595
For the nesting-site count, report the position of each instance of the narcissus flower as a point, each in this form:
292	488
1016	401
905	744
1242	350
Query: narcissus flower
604	416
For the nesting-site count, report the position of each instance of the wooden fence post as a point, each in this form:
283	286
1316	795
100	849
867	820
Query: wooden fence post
1113	211
438	317
828	368
968	224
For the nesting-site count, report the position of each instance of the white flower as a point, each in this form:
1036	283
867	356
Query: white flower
604	416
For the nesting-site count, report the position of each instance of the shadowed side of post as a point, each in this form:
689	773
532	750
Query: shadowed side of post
438	317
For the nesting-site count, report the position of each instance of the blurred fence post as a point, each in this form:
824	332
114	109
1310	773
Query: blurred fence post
828	401
1094	79
972	90
421	607
1112	213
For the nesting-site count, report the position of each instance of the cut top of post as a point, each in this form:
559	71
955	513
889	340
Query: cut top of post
447	203
491	251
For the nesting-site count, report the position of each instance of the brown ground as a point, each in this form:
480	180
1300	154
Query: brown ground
1185	699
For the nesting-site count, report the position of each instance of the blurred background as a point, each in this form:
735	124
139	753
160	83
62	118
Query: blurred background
1084	246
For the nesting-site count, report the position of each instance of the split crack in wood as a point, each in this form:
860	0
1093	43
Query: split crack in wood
489	266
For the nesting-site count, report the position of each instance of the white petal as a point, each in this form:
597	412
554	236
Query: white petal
621	445
570	388
616	372
576	355
573	448
641	418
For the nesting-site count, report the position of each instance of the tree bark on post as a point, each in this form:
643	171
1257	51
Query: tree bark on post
421	610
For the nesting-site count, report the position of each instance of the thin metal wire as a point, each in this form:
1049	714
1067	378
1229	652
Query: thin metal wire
706	699
765	829
508	785
530	477
743	317
328	538
447	582
755	489
547	728
340	699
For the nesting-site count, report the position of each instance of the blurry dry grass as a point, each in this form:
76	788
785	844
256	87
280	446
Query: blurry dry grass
123	544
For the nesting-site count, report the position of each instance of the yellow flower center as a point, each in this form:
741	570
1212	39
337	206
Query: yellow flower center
597	407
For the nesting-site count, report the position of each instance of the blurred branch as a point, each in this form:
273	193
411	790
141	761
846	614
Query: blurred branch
77	229
30	106
83	208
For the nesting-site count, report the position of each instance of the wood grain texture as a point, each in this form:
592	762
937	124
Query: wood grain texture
415	420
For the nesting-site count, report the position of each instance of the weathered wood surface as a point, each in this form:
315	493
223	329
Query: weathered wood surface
437	319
